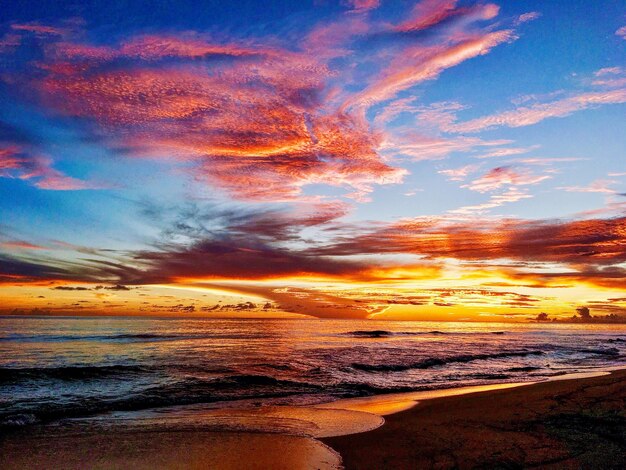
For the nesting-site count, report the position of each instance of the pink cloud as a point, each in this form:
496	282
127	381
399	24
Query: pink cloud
20	245
496	200
363	5
439	116
428	13
608	71
526	116
597	186
506	152
546	161
9	41
15	162
420	147
257	126
459	174
526	17
504	176
621	32
420	64
270	119
39	29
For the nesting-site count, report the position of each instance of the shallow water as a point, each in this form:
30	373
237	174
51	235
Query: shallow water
55	368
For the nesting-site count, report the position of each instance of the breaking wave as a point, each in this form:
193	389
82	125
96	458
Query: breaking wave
440	361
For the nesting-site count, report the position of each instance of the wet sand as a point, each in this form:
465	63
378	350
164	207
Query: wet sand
172	450
579	423
575	423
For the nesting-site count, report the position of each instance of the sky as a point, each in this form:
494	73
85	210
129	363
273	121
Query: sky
435	160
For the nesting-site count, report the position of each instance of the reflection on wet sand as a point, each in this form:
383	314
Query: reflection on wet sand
189	450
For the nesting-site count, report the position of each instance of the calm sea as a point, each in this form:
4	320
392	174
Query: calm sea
56	368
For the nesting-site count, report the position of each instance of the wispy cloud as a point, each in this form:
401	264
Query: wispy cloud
255	117
504	176
460	173
528	115
16	162
526	17
597	186
510	195
363	5
422	64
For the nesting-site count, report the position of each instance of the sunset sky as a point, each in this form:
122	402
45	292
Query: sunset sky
390	159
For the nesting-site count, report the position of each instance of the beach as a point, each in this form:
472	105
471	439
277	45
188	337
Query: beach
579	423
575	423
305	394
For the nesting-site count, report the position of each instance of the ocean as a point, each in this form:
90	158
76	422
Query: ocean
58	368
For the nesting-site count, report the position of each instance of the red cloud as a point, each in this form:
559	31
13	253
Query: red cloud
258	119
256	127
586	249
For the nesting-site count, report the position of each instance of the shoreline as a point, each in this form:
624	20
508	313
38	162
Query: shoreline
327	435
391	403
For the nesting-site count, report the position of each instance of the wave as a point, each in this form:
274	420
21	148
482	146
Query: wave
370	333
440	361
601	352
184	392
123	337
386	333
70	373
8	374
114	337
523	369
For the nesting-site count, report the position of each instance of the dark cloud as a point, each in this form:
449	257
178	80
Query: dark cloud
591	249
115	287
238	259
13	269
70	288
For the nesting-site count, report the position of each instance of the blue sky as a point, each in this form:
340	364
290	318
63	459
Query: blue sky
136	137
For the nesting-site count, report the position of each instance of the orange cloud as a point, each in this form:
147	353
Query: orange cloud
255	126
584	250
258	119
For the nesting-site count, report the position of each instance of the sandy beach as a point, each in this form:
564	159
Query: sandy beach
562	424
576	423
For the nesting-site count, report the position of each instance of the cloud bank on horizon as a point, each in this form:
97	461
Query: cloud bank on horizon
434	159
